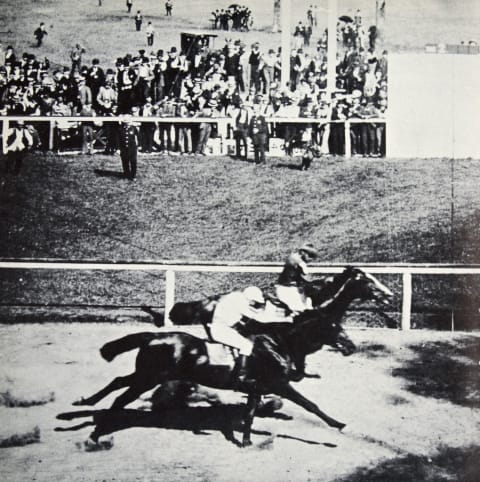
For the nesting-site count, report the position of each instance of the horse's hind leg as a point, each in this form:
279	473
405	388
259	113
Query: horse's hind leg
116	384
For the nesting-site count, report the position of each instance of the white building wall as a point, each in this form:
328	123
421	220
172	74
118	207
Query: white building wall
434	105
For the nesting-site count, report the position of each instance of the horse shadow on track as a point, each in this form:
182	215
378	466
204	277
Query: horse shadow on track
225	419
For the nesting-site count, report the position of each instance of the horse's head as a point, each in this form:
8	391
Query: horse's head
366	287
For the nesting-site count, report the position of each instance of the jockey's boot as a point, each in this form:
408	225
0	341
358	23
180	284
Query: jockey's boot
240	372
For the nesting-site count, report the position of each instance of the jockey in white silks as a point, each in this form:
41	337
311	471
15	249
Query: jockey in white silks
294	274
231	309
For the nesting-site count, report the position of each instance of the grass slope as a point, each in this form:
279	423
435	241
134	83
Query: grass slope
78	207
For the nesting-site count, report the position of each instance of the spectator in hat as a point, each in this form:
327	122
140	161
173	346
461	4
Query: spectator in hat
269	62
138	21
87	132
84	94
205	128
128	143
76	57
95	78
183	130
254	62
147	129
150	34
19	140
242	126
10	57
171	70
40	33
129	6
258	131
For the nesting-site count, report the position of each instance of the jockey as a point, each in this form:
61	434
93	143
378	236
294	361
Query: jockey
294	274
231	309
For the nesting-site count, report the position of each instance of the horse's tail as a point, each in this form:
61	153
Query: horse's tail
130	342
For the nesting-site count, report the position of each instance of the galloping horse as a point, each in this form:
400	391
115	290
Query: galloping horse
331	299
277	351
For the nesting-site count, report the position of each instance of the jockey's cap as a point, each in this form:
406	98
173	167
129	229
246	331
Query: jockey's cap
309	249
252	293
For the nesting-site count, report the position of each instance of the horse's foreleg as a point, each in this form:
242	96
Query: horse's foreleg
288	392
252	404
116	384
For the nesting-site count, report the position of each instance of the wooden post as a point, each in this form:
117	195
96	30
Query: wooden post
4	135
276	15
169	295
348	143
332	48
285	19
50	135
407	301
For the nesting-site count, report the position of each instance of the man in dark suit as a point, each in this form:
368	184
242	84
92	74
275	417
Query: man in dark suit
138	21
242	127
259	134
95	78
39	33
19	141
128	139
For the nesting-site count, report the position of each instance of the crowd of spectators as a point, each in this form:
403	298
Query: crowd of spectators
209	84
236	17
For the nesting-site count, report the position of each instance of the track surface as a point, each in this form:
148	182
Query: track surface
370	391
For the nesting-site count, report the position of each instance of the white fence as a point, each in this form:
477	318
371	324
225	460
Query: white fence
172	267
223	124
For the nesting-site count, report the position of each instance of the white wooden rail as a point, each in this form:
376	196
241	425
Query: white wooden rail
172	267
223	123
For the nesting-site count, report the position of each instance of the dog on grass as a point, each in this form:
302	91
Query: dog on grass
311	152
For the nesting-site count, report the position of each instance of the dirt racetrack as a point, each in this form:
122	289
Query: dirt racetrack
410	400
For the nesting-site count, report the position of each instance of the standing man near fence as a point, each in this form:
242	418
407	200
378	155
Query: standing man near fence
19	141
129	6
259	134
168	8
128	140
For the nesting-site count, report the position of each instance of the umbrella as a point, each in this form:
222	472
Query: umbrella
345	18
234	5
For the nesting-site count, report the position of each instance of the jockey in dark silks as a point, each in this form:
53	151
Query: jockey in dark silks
295	274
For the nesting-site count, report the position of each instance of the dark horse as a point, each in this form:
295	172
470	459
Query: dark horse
278	350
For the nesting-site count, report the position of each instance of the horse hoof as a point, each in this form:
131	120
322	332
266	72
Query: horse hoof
246	443
341	426
80	402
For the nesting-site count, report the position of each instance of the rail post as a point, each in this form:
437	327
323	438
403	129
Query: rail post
4	135
406	301
348	143
169	295
51	125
